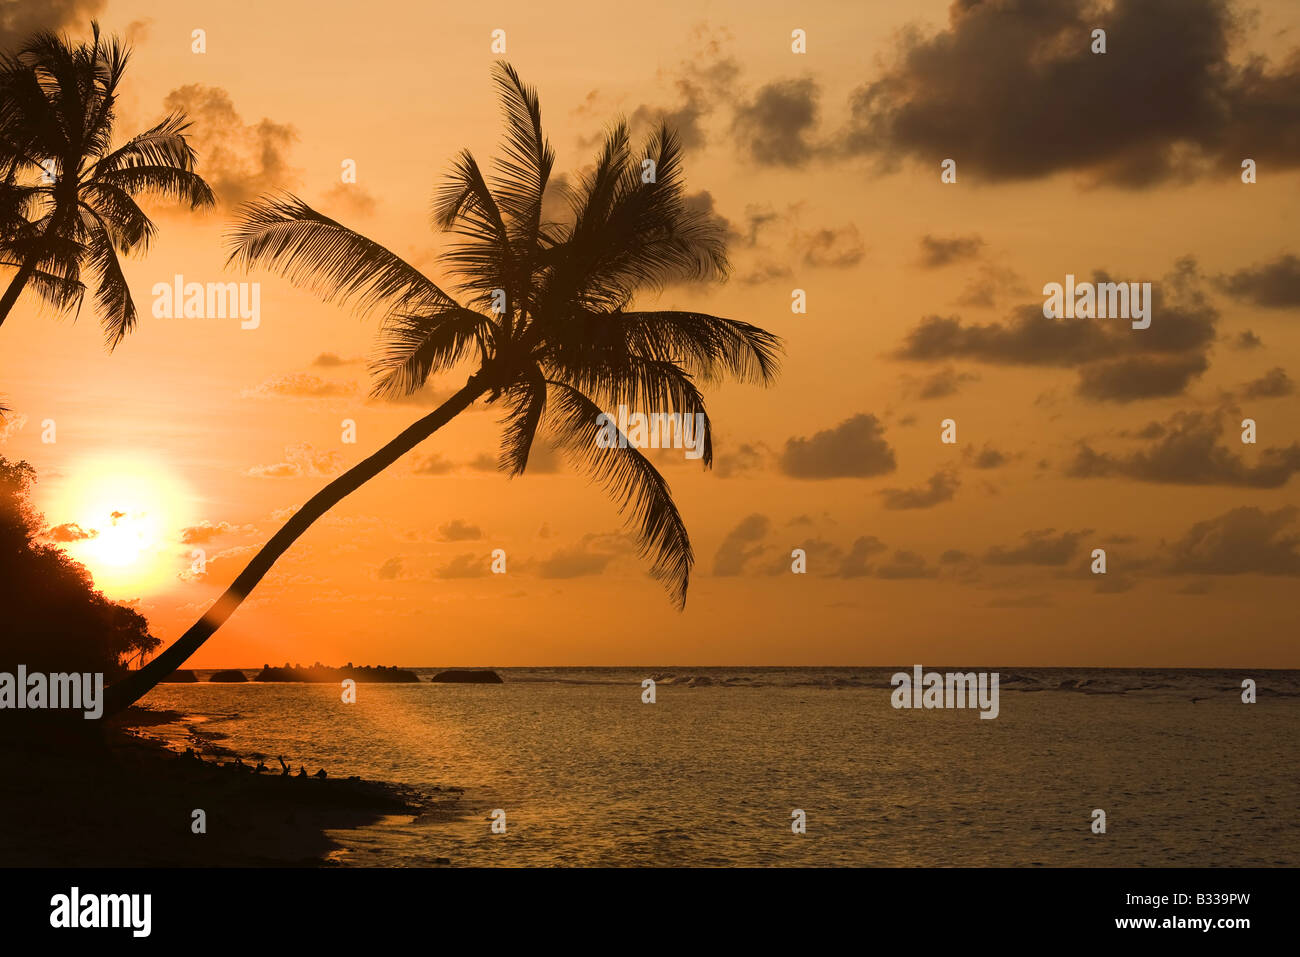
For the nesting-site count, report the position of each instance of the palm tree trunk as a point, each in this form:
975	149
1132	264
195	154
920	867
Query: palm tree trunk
137	684
16	287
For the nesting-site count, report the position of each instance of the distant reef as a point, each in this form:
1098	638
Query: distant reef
180	677
233	675
322	674
463	677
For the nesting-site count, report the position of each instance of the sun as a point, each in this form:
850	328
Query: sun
123	519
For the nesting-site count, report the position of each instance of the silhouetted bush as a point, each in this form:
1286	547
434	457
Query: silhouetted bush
52	618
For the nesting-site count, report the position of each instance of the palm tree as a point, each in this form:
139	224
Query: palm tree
562	346
66	199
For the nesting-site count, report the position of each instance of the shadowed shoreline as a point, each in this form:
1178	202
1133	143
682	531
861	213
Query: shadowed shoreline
126	799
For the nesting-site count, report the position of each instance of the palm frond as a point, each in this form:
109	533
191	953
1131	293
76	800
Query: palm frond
315	252
414	346
636	486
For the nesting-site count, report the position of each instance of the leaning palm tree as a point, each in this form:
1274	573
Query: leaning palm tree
546	315
67	199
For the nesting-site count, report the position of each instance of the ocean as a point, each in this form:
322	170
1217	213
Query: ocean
712	773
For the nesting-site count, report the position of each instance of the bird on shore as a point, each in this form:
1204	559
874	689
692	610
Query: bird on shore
286	768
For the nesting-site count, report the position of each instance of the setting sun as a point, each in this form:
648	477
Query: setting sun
122	520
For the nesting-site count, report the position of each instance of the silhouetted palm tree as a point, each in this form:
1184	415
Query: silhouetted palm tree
561	348
66	198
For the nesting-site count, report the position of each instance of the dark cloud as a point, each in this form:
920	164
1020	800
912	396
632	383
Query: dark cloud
1271	385
466	565
905	564
986	458
855	448
703	83
435	464
1247	340
856	563
590	556
774	125
390	570
1115	361
1043	547
832	248
1187	451
1275	285
743	459
1164	101
945	382
740	545
936	252
941	487
1246	540
239	160
19	19
1140	377
458	530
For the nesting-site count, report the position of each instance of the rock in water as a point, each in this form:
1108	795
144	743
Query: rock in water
230	674
468	677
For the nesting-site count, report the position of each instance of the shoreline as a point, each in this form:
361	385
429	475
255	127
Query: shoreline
124	798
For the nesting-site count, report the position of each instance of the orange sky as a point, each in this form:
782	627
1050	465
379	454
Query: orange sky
230	427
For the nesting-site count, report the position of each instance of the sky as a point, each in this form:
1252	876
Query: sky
924	304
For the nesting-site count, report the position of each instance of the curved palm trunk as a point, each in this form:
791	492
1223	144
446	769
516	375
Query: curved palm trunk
138	683
16	287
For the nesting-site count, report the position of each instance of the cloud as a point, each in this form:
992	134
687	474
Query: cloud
773	125
743	459
239	160
590	556
332	360
1247	340
832	248
938	385
855	448
1164	102
941	487
936	252
20	19
856	563
458	530
1185	450
1115	361
348	200
905	564
435	464
703	81
301	460
1042	547
1140	377
70	532
1246	540
466	565
1274	285
206	531
391	570
301	385
542	460
1273	384
986	458
739	547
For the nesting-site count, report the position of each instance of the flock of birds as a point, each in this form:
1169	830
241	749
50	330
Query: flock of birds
238	764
